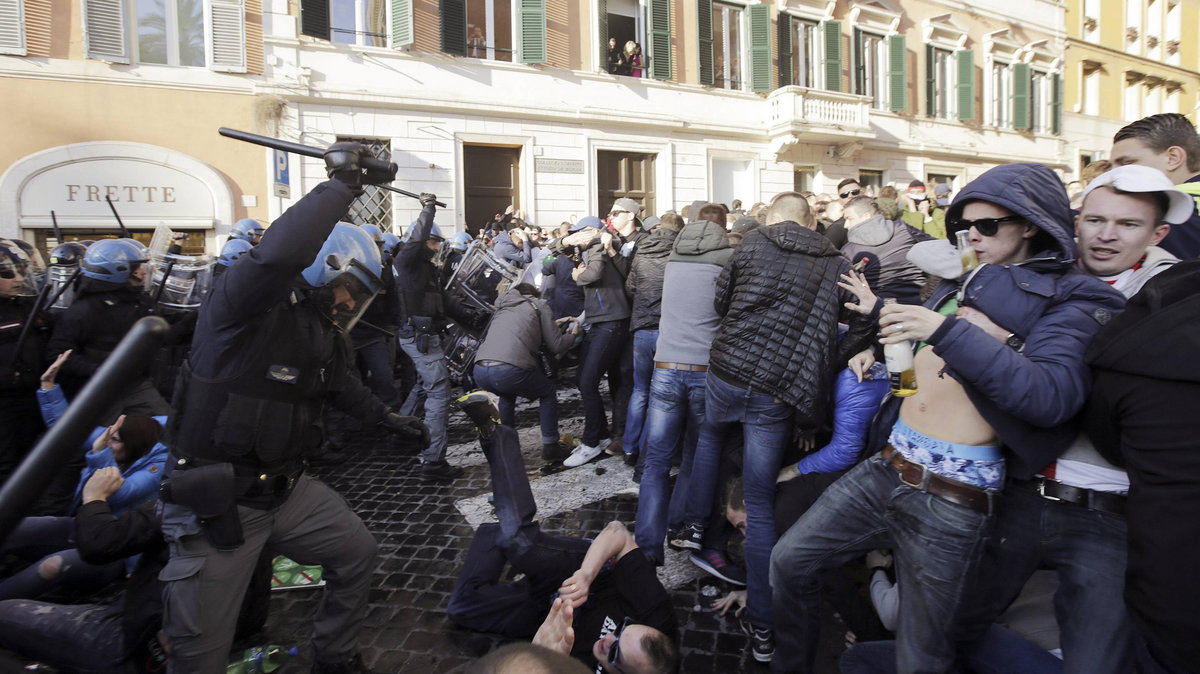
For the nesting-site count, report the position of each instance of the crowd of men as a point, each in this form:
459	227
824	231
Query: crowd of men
978	399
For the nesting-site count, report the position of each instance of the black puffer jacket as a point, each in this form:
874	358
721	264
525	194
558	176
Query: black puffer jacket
781	306
645	280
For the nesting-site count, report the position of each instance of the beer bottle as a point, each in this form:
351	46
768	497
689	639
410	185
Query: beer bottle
899	358
965	252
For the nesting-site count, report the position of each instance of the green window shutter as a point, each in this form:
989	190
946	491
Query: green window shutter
965	62
930	81
454	26
402	23
1022	80
831	34
314	18
760	48
783	48
898	73
658	15
858	69
603	21
1056	92
704	28
531	17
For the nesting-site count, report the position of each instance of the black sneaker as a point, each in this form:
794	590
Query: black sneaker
352	666
440	471
555	452
480	406
762	642
690	537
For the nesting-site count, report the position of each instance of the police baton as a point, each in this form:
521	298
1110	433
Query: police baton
66	437
316	152
163	286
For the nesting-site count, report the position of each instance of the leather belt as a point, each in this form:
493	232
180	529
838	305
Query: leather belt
918	476
1092	499
680	366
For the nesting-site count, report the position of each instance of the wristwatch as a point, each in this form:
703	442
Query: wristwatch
1014	342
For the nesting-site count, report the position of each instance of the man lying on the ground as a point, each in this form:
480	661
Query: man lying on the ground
611	595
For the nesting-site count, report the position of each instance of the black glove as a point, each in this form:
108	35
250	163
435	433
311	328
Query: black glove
427	198
409	427
344	162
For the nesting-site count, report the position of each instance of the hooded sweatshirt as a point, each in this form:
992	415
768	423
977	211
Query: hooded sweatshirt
885	244
645	280
689	321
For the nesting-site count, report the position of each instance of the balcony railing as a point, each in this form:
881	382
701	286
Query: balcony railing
794	107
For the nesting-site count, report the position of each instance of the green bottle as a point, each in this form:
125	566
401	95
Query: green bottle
261	659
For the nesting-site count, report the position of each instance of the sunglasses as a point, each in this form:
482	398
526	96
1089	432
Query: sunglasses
851	193
985	226
614	653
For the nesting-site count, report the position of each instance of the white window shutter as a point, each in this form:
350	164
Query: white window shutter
12	27
226	36
104	31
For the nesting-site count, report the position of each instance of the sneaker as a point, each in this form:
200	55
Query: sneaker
584	453
762	641
689	537
714	563
440	471
555	452
352	666
480	407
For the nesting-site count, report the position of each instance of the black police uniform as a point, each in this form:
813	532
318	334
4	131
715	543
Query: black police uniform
19	415
263	363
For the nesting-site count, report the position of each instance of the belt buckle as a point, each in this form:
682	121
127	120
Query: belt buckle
1041	489
921	484
291	481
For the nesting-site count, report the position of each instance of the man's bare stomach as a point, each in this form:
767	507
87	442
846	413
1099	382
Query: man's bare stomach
940	407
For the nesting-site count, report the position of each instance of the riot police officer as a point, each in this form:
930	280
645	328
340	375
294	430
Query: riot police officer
248	230
270	350
19	416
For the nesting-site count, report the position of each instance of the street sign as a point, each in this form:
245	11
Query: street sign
283	185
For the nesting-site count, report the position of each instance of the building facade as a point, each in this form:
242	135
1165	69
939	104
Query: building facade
492	102
1124	61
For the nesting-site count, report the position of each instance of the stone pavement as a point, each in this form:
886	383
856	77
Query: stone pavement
424	531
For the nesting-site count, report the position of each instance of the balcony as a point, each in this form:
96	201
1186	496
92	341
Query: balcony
817	115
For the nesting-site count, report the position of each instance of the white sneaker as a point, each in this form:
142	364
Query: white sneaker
583	453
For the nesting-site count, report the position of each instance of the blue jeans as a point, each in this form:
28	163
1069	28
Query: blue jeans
46	538
434	388
510	381
76	638
937	546
479	601
1088	550
378	359
644	344
1000	651
676	412
601	353
766	429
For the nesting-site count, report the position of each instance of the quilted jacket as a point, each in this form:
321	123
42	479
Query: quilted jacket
781	306
645	280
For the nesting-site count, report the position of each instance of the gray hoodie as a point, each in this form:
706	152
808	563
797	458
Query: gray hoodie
689	321
518	331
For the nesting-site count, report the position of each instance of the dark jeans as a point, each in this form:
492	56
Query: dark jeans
509	382
766	429
644	344
601	353
480	602
1087	548
76	638
44	539
937	546
676	411
377	361
1000	651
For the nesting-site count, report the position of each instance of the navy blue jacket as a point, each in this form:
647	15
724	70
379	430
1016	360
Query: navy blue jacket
506	250
1030	398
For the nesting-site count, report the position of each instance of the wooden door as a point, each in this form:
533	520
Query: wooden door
492	176
625	174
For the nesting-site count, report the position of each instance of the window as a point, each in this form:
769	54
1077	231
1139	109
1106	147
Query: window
1001	85
803	178
1133	96
1091	20
1152	93
1040	102
361	22
374	207
490	30
727	46
871	180
1091	88
870	52
189	33
942	83
1133	26
12	27
1171	43
170	32
800	64
732	179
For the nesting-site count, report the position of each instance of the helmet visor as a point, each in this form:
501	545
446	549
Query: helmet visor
344	299
17	279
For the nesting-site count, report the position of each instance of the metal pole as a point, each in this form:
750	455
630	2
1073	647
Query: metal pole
67	436
163	286
57	231
310	151
124	232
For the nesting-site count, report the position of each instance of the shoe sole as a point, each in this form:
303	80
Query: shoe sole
764	658
581	463
712	570
683	545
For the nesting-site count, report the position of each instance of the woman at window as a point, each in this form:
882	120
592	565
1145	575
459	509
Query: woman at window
635	59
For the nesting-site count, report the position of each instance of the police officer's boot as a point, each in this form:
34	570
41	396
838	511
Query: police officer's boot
480	406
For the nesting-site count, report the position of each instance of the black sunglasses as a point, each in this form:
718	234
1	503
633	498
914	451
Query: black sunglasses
851	193
614	653
8	271
985	226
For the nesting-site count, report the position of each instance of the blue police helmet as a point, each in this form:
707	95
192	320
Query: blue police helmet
375	232
113	260
232	250
390	243
345	275
435	232
68	254
460	241
246	229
